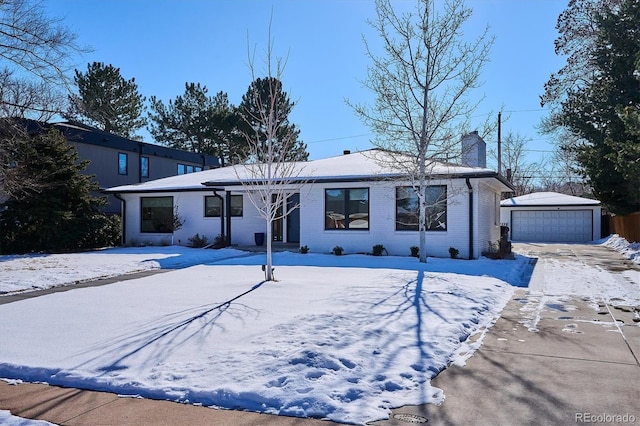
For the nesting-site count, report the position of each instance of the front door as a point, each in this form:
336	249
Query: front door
293	218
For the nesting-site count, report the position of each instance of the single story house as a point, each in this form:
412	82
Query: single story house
551	217
355	201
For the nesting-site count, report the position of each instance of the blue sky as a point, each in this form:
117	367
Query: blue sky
164	44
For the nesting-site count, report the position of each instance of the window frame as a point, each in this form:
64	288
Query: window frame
347	224
230	207
444	205
181	166
169	226
144	159
206	197
121	171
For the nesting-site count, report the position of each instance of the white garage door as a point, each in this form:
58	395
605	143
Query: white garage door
554	226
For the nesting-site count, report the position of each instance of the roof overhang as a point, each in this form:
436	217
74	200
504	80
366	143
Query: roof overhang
369	178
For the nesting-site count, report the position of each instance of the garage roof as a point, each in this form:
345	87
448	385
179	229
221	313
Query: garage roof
547	199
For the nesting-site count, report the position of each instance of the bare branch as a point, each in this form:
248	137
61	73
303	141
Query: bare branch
421	85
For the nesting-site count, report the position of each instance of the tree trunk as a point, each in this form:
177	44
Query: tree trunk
269	266
423	212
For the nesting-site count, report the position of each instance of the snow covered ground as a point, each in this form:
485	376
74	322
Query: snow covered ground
39	271
343	338
630	250
6	419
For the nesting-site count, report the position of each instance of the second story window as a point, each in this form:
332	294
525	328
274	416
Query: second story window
122	163
144	167
187	168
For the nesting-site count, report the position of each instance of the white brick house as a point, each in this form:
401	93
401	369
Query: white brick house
356	201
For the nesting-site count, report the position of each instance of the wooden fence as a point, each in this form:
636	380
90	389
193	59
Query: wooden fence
628	227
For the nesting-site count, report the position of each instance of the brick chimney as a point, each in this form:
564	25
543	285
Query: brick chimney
474	150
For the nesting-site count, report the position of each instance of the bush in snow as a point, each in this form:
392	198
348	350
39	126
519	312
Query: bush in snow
378	249
454	252
197	241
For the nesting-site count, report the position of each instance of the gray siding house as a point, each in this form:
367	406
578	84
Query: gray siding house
115	160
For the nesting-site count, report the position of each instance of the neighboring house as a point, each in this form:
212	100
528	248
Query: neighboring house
551	217
115	160
356	201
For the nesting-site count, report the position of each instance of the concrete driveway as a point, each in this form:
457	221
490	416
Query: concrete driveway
551	358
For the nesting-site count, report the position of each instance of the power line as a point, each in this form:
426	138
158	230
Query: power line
340	138
528	110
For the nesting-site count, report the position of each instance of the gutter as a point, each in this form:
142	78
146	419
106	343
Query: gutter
468	182
222	212
124	217
364	178
140	162
228	217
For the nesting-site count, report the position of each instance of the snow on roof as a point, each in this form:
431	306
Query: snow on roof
370	164
547	199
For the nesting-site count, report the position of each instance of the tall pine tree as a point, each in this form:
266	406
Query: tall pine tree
599	110
107	101
197	122
258	98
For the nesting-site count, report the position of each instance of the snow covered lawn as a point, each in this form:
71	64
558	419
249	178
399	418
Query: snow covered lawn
343	338
39	271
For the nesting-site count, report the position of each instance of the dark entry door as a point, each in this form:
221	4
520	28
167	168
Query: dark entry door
277	225
293	219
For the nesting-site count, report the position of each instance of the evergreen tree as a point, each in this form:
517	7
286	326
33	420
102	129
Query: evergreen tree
259	98
107	101
197	122
599	111
62	215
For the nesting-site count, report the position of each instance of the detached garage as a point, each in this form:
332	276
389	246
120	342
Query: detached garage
550	217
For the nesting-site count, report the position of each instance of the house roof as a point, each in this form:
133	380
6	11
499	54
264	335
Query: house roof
354	167
81	133
540	199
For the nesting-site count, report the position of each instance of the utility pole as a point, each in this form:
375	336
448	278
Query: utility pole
499	143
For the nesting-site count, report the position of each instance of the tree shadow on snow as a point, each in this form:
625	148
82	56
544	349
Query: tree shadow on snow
164	335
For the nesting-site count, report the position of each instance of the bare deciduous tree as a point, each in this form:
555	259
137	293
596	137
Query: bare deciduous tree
562	175
38	44
36	53
421	85
522	173
20	97
269	179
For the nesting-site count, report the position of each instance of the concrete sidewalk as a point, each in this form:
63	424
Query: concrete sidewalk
75	407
